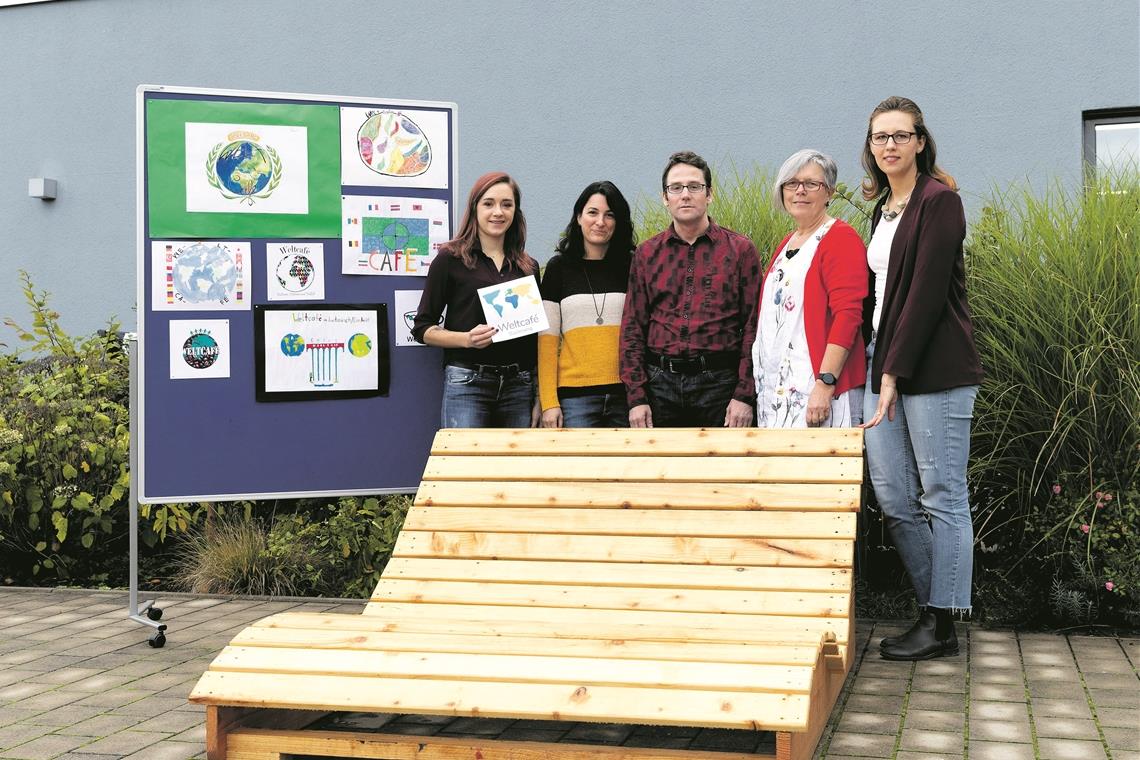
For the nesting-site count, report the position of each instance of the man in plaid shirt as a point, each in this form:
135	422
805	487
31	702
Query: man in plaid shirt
690	313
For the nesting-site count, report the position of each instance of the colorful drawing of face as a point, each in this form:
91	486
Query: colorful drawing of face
392	144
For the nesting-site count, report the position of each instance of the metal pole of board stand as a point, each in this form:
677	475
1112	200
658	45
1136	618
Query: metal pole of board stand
146	613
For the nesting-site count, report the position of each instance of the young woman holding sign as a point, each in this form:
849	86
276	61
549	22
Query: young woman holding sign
486	384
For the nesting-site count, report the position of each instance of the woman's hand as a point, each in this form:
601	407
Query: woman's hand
480	336
888	397
552	417
819	404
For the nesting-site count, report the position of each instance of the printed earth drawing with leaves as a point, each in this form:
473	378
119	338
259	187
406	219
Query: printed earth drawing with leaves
244	168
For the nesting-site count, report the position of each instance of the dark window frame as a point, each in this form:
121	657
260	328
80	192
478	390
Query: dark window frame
1092	118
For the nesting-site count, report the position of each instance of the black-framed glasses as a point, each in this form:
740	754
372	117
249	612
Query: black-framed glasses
677	188
809	185
900	138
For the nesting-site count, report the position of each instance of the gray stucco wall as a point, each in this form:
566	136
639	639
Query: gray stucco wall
558	93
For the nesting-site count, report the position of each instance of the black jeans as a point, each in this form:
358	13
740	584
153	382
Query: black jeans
698	400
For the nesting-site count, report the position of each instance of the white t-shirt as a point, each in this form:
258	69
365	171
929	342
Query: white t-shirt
878	257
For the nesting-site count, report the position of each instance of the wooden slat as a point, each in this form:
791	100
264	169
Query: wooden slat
643	625
632	469
586	597
656	441
292	630
633	522
802	497
613	574
512	668
571	701
792	552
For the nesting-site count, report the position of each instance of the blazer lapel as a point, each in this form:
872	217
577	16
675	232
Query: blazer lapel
903	236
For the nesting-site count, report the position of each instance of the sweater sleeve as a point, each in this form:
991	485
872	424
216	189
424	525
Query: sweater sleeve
634	330
550	339
843	269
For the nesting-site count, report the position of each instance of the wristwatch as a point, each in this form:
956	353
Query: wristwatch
828	379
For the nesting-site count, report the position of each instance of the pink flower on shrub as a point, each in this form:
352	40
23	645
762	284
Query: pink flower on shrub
1085	528
1109	586
1108	497
1099	495
1056	488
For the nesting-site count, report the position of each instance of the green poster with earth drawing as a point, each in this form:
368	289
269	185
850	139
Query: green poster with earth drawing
245	170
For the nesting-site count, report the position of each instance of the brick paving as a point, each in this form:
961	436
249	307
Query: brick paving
78	682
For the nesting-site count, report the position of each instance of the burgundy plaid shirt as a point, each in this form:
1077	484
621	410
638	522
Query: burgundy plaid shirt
688	300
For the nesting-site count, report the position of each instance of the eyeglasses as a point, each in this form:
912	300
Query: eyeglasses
677	188
900	138
809	185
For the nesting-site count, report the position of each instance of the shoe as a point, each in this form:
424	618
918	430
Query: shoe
890	641
922	642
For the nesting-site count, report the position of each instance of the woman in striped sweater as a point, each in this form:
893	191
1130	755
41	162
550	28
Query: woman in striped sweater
583	291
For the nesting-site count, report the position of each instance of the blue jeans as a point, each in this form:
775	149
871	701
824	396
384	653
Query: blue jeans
699	400
482	399
597	410
918	468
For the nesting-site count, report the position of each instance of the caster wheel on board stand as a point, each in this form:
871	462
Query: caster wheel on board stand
158	640
154	613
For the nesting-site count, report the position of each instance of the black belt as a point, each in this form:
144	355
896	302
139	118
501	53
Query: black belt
500	370
692	365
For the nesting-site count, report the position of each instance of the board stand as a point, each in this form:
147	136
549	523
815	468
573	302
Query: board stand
145	613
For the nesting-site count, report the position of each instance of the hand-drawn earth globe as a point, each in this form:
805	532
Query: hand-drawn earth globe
295	273
292	345
243	167
200	351
205	272
359	345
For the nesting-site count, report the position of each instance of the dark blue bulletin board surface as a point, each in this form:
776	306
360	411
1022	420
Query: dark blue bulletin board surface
209	439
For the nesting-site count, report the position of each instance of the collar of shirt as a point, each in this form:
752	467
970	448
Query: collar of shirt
712	232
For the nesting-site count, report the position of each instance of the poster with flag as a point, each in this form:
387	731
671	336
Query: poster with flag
384	235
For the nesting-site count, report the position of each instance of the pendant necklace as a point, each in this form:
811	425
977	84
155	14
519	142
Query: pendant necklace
889	215
593	297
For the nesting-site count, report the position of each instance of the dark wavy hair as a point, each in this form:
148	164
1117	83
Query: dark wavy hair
573	247
514	242
689	158
926	160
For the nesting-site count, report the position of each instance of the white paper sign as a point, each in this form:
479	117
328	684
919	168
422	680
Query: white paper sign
199	348
384	235
321	350
514	307
407	304
199	276
295	271
405	147
247	168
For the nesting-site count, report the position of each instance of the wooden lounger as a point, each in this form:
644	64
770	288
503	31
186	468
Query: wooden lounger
666	577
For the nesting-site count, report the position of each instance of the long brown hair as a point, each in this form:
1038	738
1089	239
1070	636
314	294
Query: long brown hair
926	161
514	242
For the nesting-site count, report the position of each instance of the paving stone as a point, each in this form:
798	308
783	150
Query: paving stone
169	750
171	722
100	725
945	666
1066	728
931	741
45	747
1068	749
1051	674
1116	698
607	733
935	700
114	698
1012	731
909	755
949	684
1012	676
21	733
886	686
1057	690
725	740
124	743
48	700
67	715
862	745
1061	708
980	750
874	703
1111	681
15	677
984	710
1118	717
994	661
10	715
1123	738
869	723
935	720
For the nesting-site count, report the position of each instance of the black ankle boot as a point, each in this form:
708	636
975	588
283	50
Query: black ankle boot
890	641
932	636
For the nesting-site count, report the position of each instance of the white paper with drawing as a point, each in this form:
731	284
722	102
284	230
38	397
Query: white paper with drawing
319	350
514	307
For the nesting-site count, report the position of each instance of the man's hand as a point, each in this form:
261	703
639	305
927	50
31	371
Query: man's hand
738	414
552	418
641	416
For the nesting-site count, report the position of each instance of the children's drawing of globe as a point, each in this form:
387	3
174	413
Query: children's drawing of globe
200	351
295	273
390	143
292	345
243	167
359	345
395	236
205	272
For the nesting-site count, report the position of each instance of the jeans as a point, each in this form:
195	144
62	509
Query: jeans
918	468
597	410
483	399
699	400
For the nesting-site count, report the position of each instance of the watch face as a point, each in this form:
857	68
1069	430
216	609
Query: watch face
827	378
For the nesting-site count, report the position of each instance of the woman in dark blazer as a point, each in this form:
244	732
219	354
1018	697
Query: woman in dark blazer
923	372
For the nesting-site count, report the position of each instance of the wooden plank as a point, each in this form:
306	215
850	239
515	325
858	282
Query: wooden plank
359	744
643	625
291	630
680	600
634	469
513	668
802	497
569	701
634	522
613	574
655	441
679	549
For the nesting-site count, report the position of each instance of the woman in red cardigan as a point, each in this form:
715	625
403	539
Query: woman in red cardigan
811	308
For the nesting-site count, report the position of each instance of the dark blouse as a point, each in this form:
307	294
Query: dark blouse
450	284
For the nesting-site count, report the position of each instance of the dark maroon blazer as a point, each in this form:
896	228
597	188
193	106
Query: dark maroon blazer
925	336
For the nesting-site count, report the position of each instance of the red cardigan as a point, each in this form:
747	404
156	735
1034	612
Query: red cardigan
834	290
